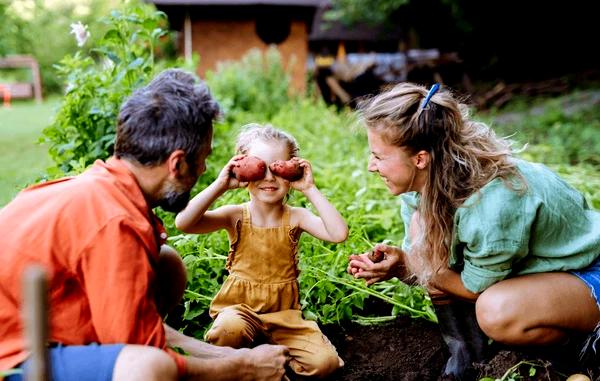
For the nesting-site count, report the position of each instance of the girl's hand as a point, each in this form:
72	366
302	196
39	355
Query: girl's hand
306	182
227	179
360	266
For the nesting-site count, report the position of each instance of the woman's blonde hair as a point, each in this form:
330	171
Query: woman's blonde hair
254	131
464	156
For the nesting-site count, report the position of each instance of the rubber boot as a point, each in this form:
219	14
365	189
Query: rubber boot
465	340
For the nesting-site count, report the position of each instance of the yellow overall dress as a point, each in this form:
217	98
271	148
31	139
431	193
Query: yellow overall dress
259	299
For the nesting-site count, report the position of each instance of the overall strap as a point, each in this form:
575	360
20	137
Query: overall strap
286	216
246	214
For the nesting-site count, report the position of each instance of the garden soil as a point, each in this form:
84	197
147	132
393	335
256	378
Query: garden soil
412	349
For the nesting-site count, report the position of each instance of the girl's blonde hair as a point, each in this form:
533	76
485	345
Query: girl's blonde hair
254	131
464	156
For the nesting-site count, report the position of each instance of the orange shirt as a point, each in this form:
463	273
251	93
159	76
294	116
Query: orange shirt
99	242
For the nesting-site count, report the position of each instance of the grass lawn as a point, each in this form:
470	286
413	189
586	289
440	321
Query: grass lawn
22	159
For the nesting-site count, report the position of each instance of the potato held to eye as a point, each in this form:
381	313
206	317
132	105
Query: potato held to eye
249	168
289	170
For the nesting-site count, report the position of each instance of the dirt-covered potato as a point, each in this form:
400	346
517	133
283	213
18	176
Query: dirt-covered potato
249	168
289	170
376	255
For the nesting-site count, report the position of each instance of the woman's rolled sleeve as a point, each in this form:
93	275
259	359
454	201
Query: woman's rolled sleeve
482	270
492	235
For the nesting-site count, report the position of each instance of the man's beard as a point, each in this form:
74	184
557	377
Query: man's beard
174	201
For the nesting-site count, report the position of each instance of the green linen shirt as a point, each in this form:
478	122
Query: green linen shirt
499	233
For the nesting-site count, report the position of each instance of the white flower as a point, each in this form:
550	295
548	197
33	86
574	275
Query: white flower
70	87
81	33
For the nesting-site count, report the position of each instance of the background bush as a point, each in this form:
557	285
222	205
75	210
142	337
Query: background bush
98	81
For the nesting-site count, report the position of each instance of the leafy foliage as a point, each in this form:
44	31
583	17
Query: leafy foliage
515	373
83	129
373	12
258	83
557	132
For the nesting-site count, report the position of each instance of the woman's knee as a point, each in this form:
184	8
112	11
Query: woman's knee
138	362
496	315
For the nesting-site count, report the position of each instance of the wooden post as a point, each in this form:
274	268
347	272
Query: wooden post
35	309
37	81
5	90
187	38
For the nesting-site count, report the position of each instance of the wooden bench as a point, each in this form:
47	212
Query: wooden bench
21	90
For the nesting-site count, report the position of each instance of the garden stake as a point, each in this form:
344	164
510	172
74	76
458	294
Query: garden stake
36	323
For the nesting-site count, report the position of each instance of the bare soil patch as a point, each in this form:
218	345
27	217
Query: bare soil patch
407	349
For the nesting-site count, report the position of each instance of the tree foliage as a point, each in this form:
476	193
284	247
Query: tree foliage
98	81
372	12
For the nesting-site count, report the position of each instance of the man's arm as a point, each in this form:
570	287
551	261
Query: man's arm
206	361
262	363
195	347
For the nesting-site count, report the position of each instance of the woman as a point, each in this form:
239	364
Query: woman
500	243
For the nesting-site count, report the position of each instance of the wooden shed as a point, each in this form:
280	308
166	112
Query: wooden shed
221	30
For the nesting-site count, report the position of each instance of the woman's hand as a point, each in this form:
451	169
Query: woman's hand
307	181
392	265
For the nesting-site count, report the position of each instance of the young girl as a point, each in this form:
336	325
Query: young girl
260	299
508	236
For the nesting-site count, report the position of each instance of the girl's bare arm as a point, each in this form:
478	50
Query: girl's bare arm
196	218
329	224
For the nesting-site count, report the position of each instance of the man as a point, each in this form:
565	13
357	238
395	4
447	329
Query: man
110	274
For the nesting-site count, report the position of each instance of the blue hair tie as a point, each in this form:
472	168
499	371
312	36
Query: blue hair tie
430	94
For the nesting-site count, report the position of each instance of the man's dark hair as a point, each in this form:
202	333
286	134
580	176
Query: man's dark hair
174	111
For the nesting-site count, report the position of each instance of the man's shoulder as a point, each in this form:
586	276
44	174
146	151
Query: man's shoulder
90	199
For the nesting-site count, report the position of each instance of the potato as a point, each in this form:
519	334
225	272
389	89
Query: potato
578	377
249	168
376	255
289	170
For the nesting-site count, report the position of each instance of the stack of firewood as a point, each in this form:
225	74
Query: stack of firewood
500	94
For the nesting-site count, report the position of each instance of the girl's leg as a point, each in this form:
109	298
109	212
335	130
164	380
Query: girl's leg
537	309
312	354
235	326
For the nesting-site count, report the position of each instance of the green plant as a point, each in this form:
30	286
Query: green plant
258	83
514	373
83	129
556	132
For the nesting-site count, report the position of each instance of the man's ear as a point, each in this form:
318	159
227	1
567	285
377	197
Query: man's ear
176	163
422	159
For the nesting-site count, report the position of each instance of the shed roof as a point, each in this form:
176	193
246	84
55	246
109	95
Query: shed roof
295	3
